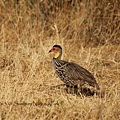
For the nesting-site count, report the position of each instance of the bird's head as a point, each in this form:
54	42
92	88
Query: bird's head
57	49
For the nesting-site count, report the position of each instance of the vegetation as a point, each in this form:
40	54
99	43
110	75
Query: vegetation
88	31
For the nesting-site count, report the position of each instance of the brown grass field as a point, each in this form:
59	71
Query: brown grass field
89	33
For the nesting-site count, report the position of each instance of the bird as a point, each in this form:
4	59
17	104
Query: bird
71	73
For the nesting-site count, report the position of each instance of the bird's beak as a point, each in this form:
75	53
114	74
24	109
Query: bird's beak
50	51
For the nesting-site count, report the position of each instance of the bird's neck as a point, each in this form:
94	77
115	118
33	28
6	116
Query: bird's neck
58	55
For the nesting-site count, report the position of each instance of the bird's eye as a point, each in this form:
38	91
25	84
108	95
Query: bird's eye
53	48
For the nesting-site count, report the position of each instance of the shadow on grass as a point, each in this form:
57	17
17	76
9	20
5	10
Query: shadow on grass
78	91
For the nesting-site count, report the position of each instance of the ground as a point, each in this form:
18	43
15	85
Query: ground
28	83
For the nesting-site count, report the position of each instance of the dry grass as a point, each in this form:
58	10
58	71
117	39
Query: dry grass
90	36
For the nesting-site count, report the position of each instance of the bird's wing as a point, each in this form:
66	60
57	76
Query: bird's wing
77	72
